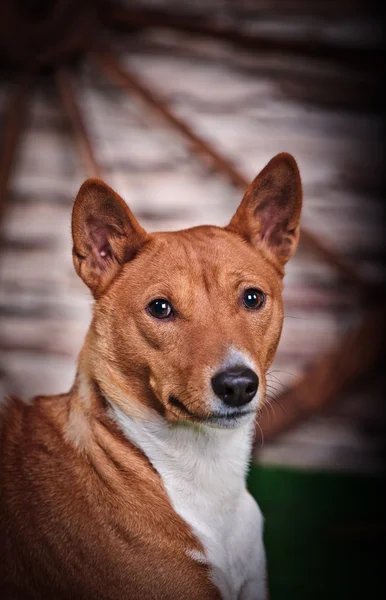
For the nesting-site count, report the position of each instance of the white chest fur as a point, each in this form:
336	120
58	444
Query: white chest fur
203	471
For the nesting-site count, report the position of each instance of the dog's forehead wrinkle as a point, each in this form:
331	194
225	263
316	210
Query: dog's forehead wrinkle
184	256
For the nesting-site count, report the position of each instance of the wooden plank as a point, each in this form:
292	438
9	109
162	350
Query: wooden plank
13	125
351	359
74	114
131	83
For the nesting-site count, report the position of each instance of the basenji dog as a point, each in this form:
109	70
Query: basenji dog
133	485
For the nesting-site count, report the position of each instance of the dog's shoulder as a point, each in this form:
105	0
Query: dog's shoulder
31	434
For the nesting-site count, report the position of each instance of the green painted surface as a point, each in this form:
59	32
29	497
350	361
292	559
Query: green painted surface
323	533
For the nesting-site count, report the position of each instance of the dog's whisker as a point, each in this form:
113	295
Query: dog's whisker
271	390
262	434
276	381
279	405
286	372
271	386
269	408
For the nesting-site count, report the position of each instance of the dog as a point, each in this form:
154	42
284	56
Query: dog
133	485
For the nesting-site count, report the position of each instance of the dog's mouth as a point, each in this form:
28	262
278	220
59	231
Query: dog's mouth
221	419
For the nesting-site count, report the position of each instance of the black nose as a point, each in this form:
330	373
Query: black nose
236	386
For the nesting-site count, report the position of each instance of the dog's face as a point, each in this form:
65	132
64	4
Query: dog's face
188	322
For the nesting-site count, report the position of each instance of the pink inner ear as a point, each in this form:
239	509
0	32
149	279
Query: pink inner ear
101	248
275	209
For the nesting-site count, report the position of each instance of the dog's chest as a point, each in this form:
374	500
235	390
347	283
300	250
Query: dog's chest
204	476
227	525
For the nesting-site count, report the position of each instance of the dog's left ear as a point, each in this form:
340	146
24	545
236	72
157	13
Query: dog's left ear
105	233
270	210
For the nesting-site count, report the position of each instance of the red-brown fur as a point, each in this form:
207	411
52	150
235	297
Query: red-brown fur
89	524
83	514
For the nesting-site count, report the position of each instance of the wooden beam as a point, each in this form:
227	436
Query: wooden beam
355	356
135	18
131	83
35	348
74	115
13	124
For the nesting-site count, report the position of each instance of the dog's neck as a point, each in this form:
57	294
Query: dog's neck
202	469
188	456
181	453
190	452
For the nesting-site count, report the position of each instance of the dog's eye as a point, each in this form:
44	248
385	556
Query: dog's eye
160	308
253	298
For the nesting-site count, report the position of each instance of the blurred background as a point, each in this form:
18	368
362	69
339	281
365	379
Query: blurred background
178	106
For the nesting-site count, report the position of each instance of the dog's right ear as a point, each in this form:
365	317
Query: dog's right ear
105	234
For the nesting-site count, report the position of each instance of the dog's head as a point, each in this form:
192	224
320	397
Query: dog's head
187	322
